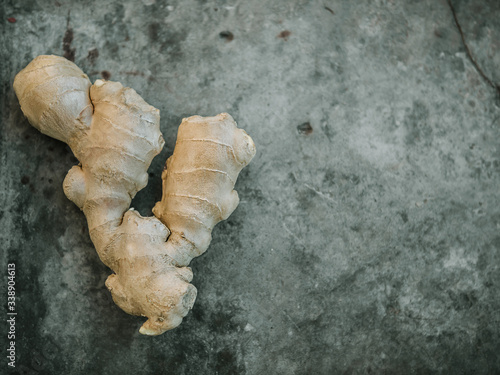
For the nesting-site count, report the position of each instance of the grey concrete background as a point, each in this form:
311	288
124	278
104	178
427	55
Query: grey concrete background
367	238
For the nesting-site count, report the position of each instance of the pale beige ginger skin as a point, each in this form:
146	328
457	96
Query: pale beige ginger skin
115	135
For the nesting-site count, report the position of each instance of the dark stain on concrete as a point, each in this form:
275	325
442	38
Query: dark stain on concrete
106	75
222	321
171	43
48	193
69	52
93	55
226	362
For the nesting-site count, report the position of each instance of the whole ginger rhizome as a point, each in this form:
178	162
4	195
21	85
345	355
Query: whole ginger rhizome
115	135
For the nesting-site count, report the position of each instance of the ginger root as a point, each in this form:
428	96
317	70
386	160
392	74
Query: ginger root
115	135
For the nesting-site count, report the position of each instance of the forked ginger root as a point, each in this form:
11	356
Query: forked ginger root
115	135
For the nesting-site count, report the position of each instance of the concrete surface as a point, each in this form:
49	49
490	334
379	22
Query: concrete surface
367	238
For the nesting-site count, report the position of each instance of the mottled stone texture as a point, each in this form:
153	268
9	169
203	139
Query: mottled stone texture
367	238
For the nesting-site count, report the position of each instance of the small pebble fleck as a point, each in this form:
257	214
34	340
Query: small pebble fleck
25	180
305	128
228	35
284	35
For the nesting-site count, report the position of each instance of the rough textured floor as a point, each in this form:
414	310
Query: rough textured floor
367	238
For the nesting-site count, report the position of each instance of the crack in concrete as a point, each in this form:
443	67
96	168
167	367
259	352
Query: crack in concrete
320	193
469	53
